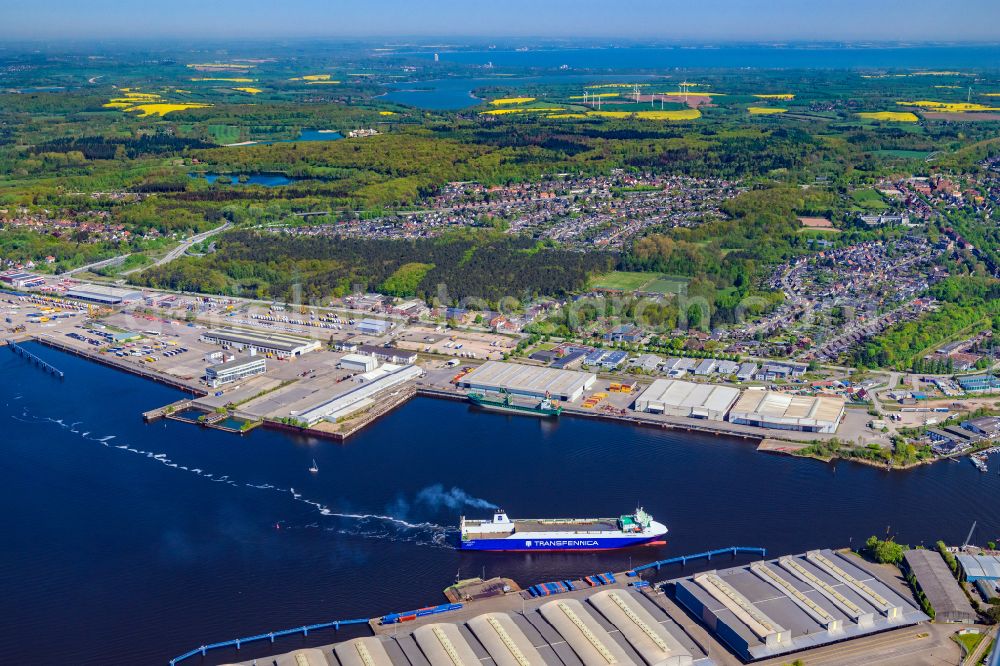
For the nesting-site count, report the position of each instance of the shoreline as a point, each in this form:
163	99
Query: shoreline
764	443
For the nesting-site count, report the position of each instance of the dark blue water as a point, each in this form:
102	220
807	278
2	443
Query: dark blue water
316	135
265	179
781	57
127	543
456	93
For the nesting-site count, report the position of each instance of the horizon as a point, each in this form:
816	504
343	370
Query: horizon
722	21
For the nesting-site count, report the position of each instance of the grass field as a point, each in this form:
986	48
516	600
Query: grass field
224	133
630	281
869	199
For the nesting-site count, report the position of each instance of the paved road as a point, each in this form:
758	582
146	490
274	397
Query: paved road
96	265
980	651
182	248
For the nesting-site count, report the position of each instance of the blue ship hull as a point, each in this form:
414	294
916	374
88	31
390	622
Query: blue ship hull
563	543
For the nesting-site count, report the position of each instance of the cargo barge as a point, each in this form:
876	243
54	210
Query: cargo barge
560	534
505	403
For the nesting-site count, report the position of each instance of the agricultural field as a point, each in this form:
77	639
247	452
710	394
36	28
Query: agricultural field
627	281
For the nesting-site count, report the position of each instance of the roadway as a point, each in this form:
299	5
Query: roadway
181	248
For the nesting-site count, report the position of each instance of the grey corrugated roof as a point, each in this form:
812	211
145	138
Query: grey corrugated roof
938	583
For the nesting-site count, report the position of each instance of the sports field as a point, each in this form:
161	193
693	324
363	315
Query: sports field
630	281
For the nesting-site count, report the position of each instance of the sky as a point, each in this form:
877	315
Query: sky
680	20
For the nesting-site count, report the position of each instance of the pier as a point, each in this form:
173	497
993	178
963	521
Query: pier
47	367
113	362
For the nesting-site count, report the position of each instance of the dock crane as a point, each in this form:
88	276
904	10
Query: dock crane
969	537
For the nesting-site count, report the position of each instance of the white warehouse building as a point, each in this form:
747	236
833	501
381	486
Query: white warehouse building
528	380
358	362
677	398
783	411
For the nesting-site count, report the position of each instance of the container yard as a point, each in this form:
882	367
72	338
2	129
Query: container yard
817	604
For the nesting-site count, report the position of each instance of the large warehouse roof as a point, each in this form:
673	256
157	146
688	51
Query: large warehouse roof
766	609
517	378
101	294
775	407
261	339
935	579
664	394
980	566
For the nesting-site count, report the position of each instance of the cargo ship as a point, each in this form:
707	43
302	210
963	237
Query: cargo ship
502	533
504	403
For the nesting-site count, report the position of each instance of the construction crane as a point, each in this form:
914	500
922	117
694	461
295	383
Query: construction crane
969	537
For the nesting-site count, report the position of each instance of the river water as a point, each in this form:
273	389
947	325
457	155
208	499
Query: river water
128	543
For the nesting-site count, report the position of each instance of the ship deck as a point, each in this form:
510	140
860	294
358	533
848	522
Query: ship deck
536	526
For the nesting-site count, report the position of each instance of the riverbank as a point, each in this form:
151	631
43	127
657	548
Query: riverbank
221	522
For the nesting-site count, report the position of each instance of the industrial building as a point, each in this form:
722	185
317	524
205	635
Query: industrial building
235	370
529	381
622	627
93	293
979	383
360	397
677	398
759	611
280	345
766	609
783	411
373	326
19	279
389	354
746	372
980	567
987	426
936	581
358	362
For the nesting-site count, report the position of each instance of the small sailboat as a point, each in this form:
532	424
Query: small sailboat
315	467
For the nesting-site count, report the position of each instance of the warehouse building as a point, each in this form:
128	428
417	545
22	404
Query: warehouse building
93	293
360	397
529	381
987	426
980	567
767	609
936	581
358	362
746	372
276	344
235	370
677	398
389	354
373	326
783	411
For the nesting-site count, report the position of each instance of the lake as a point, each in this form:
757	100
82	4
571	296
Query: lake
131	543
264	179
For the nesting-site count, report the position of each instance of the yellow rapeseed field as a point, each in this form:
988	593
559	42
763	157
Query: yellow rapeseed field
785	96
250	91
951	107
164	108
594	95
386	113
311	77
536	109
683	114
765	110
512	100
891	116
